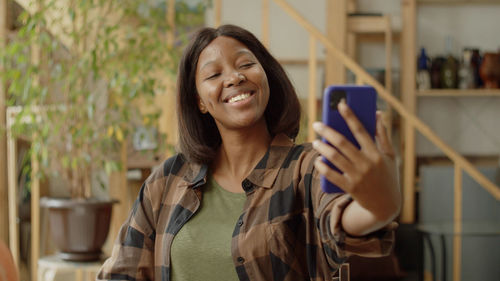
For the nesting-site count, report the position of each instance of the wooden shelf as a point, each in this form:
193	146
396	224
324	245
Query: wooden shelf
367	24
459	93
298	61
448	2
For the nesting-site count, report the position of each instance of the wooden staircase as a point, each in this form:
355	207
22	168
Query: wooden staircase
410	120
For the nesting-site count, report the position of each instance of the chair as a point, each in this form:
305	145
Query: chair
8	270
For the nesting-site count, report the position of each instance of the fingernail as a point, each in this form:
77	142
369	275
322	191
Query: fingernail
317	126
317	161
315	143
342	104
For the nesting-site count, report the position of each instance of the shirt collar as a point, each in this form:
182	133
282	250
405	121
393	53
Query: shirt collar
267	169
265	172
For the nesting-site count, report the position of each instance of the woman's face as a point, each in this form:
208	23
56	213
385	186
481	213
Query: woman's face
231	84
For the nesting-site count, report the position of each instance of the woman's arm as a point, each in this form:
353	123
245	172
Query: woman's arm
369	174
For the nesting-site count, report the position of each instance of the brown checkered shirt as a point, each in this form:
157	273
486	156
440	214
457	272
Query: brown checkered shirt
283	232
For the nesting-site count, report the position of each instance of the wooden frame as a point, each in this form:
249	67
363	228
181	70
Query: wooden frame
13	211
3	137
408	82
265	23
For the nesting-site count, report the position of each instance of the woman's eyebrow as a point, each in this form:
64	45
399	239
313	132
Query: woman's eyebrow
238	53
207	64
245	52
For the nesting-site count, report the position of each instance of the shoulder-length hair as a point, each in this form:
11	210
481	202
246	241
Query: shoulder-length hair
199	137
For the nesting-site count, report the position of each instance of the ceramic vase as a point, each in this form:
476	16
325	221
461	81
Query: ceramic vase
490	70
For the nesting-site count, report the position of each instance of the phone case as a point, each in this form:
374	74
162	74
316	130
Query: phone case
363	102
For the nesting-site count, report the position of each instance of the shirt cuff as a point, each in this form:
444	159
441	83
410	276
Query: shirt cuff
375	244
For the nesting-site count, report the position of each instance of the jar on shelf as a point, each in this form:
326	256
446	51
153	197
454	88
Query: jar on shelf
490	70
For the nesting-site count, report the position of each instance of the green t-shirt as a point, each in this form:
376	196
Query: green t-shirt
202	248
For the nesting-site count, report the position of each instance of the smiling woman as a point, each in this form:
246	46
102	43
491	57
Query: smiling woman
242	201
232	86
199	136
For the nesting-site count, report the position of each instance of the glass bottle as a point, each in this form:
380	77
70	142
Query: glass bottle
423	72
476	61
436	65
466	72
449	70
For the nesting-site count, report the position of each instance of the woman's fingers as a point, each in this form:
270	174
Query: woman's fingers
331	175
342	144
358	130
334	156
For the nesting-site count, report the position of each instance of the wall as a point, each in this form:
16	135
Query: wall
465	123
287	38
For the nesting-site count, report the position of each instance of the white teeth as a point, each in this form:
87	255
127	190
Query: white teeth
239	97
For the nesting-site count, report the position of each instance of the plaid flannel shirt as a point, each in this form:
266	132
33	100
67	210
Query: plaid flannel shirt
283	232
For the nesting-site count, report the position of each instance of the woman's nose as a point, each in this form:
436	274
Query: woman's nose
235	78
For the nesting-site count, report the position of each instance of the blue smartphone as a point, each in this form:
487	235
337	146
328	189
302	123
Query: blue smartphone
363	102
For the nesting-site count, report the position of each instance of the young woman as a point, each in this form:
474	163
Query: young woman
242	201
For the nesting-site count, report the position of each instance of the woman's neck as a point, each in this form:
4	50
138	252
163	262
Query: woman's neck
239	153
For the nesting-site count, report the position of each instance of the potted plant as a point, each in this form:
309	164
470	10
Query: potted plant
79	72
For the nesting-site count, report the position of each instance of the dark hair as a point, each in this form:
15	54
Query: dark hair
199	137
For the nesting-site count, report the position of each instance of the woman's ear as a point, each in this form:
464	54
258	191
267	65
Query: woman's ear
201	106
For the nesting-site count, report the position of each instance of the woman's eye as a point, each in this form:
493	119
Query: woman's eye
212	76
247	65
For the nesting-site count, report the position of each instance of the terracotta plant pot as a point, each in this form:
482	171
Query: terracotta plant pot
490	70
79	227
8	270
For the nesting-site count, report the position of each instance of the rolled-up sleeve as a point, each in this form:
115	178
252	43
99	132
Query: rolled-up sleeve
132	256
337	244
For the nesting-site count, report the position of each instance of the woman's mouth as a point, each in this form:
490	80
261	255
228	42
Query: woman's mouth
239	97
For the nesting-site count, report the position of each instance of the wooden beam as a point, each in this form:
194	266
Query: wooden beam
12	181
35	216
265	23
408	62
388	71
459	93
388	53
379	37
312	100
336	18
218	12
118	190
351	6
301	62
36	57
359	80
457	223
4	218
366	24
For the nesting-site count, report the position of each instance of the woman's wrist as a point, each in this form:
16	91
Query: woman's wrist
358	221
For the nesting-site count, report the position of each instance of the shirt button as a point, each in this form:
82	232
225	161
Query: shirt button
240	259
247	185
240	222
